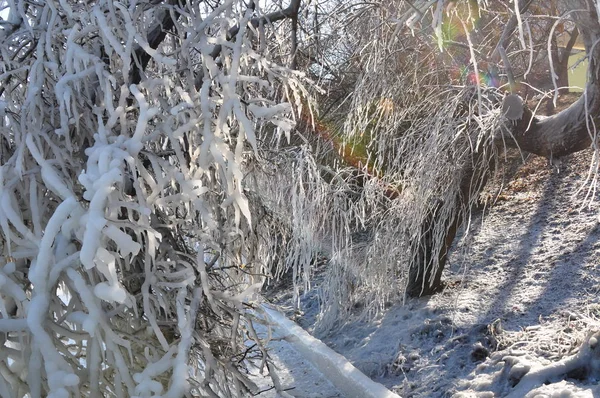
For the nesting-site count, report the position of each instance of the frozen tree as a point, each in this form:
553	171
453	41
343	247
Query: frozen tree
422	101
126	234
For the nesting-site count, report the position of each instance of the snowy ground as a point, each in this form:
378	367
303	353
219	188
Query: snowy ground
522	292
306	367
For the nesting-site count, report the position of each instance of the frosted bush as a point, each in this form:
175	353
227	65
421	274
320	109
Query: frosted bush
124	222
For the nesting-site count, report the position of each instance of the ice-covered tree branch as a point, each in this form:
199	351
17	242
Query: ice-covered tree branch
116	190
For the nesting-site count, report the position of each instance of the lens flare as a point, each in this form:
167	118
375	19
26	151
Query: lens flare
460	20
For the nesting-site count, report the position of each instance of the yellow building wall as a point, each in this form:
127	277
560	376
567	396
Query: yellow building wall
577	76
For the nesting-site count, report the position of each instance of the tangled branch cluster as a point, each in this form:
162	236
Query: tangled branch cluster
123	217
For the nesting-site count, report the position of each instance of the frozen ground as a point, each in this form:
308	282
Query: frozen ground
521	294
296	376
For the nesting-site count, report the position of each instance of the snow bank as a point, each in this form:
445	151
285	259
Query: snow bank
338	370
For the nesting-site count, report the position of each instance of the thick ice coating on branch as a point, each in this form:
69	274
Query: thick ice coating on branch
111	188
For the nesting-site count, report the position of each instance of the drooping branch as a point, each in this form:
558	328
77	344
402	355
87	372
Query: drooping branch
294	63
507	33
353	154
290	12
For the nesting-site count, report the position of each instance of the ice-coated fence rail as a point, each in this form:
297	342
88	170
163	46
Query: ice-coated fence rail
335	367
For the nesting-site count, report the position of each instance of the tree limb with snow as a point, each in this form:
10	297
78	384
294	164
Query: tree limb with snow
124	221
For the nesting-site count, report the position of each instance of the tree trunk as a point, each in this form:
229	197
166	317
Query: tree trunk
425	274
572	129
560	62
425	277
